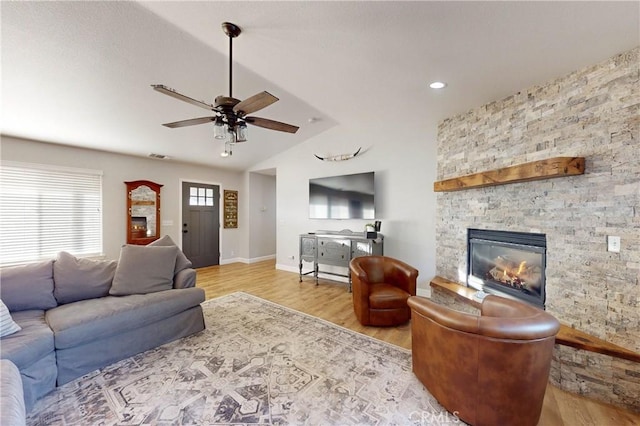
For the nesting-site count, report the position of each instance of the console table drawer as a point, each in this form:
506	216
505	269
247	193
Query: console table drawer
334	252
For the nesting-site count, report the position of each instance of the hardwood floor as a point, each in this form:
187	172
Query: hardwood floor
332	302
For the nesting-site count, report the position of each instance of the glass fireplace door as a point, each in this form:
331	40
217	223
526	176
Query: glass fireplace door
516	269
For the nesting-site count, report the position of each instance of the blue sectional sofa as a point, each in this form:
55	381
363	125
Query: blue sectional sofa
78	315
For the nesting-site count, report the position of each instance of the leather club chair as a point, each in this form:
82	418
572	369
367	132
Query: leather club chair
381	287
490	369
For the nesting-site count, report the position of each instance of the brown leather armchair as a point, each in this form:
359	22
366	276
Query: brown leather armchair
381	287
490	369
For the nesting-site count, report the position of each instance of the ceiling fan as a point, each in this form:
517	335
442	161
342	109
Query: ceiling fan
230	117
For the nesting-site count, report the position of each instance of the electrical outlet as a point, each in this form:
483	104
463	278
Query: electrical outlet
613	244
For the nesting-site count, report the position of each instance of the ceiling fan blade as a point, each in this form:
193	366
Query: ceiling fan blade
169	91
271	124
190	122
254	103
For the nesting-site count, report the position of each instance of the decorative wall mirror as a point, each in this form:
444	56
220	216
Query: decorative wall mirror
143	211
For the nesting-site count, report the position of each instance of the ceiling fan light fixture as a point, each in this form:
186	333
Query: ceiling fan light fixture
241	132
219	129
227	150
230	117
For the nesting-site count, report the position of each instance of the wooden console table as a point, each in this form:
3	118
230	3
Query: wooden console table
336	249
567	336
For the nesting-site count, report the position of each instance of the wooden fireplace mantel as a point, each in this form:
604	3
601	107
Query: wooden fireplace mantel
567	336
535	170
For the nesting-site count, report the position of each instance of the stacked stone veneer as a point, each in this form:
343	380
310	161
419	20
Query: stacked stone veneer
144	193
592	113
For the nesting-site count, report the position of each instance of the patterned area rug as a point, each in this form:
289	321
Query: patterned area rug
256	363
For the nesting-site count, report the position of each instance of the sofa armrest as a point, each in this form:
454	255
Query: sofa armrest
12	408
509	319
357	270
403	275
185	278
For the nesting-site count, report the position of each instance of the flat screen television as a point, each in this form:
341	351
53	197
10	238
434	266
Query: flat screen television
342	197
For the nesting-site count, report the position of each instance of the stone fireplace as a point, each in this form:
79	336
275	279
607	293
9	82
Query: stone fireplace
591	113
510	264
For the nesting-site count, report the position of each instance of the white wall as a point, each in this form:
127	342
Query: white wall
119	168
404	159
262	216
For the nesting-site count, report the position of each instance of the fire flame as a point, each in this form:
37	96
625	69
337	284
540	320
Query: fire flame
508	273
524	262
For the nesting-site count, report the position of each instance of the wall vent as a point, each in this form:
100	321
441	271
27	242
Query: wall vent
158	156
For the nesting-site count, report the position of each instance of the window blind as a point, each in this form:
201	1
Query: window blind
45	209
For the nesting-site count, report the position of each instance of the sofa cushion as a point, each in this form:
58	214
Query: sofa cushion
7	324
387	296
182	262
95	319
32	343
28	287
185	278
79	279
144	269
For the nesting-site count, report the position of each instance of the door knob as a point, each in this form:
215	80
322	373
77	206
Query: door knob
185	231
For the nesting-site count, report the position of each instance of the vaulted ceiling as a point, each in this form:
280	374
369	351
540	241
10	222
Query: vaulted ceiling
79	73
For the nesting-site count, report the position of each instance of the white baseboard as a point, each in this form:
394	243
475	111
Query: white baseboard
261	258
233	260
423	292
287	268
245	260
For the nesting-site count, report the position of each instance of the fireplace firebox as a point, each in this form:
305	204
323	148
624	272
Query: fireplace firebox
510	264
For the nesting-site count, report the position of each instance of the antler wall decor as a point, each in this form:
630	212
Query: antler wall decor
340	157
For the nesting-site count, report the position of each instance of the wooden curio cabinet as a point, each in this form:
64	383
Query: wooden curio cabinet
143	212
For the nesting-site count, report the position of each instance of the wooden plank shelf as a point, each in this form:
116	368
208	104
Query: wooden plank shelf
536	170
567	336
461	293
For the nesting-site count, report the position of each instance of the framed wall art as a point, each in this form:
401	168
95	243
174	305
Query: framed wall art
230	209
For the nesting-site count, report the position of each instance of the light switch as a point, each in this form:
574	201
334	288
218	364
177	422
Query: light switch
613	244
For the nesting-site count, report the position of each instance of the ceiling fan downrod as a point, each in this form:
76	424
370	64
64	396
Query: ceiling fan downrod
233	31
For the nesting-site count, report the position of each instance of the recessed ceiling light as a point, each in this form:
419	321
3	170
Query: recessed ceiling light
438	85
